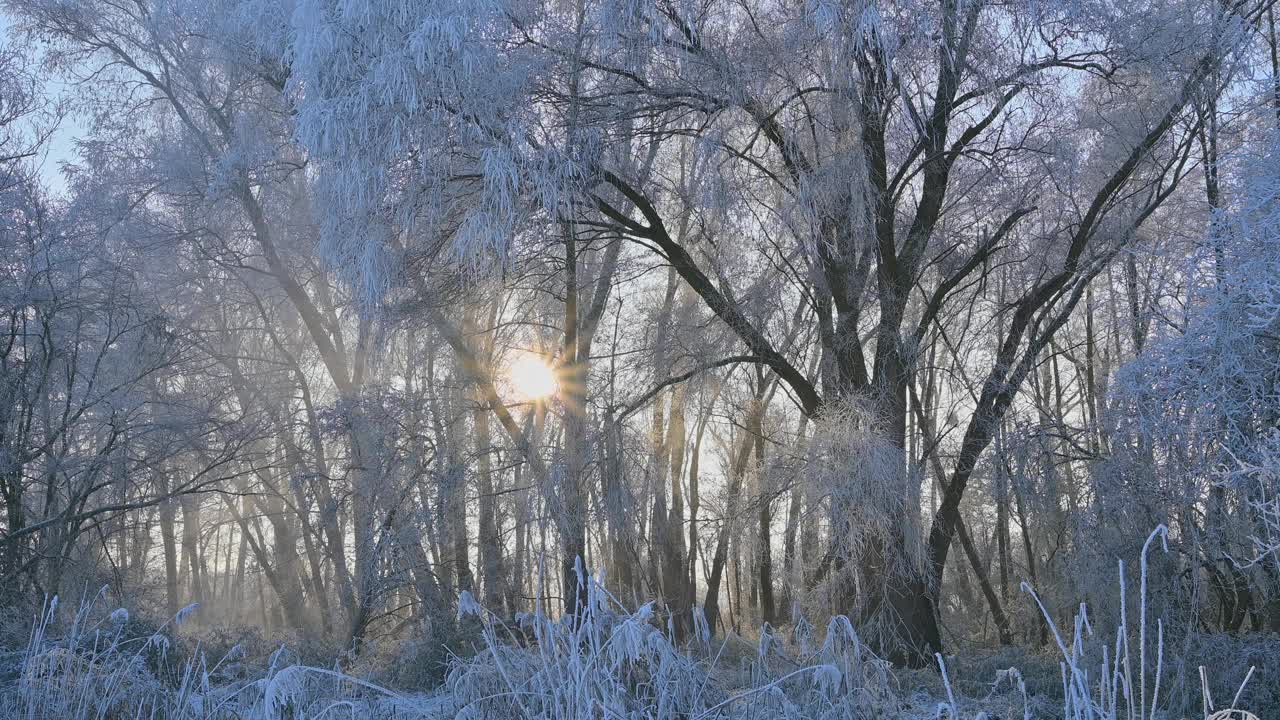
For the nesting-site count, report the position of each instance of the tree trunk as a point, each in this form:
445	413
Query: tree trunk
737	471
170	544
764	559
490	542
191	547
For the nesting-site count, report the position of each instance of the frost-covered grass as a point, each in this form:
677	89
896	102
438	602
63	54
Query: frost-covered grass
616	664
611	663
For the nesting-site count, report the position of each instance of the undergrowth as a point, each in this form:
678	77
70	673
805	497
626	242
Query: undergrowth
610	662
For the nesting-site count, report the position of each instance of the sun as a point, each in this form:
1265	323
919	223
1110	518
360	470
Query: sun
532	378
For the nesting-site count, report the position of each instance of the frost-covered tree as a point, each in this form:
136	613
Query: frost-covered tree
356	313
1198	406
207	155
831	142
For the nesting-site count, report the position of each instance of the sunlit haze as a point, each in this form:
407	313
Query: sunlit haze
531	377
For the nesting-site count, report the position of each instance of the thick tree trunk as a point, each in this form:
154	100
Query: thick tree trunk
490	542
170	544
791	581
695	503
764	545
285	577
191	547
1002	532
617	513
675	579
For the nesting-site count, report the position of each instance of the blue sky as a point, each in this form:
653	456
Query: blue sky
61	147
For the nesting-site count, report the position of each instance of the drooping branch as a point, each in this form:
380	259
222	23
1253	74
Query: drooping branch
687	267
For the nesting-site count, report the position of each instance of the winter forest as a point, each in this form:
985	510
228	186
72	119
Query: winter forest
643	359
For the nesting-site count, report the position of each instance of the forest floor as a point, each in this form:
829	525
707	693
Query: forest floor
94	663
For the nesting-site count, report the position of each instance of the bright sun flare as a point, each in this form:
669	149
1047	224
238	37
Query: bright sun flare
531	377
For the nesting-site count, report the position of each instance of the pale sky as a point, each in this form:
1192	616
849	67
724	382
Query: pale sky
61	147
